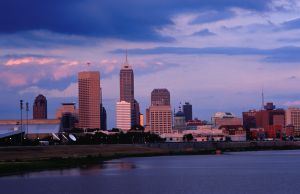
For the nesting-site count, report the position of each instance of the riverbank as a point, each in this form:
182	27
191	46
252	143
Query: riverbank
16	160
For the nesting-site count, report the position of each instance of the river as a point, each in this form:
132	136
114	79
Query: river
230	173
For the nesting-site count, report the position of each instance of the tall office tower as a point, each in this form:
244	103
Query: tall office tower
40	107
141	120
159	114
103	115
123	116
126	83
89	99
103	118
188	111
127	91
292	116
160	119
160	97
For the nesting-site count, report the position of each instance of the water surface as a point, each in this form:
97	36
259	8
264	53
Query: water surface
245	172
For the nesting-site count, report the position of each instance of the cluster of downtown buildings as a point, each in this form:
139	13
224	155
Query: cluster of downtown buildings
172	125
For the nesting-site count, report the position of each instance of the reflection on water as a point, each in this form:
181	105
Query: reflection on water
273	172
86	170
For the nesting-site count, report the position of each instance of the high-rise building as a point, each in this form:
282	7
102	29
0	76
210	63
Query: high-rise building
249	120
160	97
66	108
123	116
271	120
126	83
40	107
89	99
160	119
127	91
103	118
270	117
68	121
188	111
159	114
103	115
292	116
141	120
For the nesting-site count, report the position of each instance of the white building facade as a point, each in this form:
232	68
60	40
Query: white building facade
123	116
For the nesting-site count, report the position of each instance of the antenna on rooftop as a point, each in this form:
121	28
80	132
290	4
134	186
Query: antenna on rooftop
126	57
262	99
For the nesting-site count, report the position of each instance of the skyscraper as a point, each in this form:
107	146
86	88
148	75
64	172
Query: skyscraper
188	111
123	115
159	114
127	91
292	116
160	119
103	117
126	83
89	99
160	97
40	107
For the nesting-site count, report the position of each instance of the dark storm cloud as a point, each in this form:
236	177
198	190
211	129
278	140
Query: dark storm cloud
277	55
130	19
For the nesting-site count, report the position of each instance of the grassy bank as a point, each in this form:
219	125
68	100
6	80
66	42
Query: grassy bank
18	160
41	158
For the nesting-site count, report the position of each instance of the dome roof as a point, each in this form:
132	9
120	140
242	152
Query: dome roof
179	114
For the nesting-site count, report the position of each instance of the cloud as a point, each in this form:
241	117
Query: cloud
70	91
292	103
13	79
291	25
277	55
289	40
29	60
45	39
131	19
212	16
204	32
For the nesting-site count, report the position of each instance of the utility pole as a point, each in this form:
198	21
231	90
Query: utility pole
27	110
21	110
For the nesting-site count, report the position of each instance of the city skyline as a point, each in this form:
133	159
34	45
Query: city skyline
216	55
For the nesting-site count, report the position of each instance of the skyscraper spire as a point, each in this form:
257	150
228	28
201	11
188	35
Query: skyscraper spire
262	99
126	59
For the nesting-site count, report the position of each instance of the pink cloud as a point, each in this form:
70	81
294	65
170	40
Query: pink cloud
109	65
292	103
29	60
13	79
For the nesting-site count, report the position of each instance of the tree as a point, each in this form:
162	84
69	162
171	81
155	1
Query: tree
188	137
116	130
137	128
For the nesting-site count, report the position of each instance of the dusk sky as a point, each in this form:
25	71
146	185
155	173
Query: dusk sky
216	54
